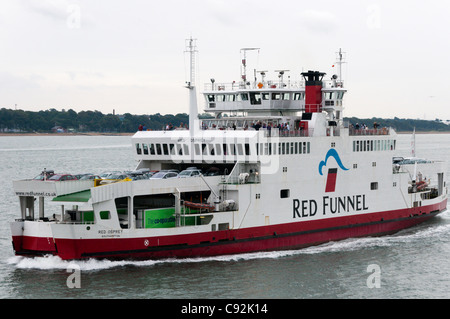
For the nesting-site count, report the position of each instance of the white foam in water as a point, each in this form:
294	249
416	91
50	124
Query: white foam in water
352	244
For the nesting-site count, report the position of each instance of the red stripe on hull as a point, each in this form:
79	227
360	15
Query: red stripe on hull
29	245
276	237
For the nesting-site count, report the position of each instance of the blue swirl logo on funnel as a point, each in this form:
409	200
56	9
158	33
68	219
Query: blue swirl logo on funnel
332	172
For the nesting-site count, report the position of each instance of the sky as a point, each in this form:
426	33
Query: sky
128	56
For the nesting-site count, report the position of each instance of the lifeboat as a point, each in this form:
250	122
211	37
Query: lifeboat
198	205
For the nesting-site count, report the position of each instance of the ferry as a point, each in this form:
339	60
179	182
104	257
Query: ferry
281	169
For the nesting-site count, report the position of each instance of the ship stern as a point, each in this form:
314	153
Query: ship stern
32	238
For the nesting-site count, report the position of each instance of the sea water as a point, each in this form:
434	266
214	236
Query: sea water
413	263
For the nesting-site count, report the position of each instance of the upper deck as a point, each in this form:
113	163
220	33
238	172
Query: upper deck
266	98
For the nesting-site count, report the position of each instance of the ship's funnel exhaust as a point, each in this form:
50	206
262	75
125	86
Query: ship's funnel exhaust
313	91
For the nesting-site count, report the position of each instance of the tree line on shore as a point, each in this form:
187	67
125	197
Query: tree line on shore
96	121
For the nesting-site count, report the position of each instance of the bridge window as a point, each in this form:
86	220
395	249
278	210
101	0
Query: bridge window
145	148
158	149
231	97
138	148
255	98
152	149
298	96
186	149
166	149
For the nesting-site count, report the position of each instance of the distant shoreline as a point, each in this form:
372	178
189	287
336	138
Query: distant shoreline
131	134
67	134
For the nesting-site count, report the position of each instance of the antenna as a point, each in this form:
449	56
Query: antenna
340	60
191	48
193	108
281	76
244	63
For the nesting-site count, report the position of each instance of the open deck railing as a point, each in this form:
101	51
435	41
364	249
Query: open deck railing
377	131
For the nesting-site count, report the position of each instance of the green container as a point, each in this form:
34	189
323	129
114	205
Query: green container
159	218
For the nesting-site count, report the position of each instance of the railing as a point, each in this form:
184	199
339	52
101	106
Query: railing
253	85
375	131
313	108
275	132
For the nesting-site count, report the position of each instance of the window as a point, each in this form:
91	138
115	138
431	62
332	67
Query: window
145	148
152	149
204	151
255	98
220	98
258	196
158	149
265	96
218	149
231	97
284	193
105	214
286	96
186	149
244	96
240	149
210	98
166	149
298	96
197	149
138	148
374	185
276	96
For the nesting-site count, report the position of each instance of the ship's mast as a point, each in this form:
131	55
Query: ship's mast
339	62
193	108
244	64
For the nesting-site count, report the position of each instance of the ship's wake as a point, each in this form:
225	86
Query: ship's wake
438	228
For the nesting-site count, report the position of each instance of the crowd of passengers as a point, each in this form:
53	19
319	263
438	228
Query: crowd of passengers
257	125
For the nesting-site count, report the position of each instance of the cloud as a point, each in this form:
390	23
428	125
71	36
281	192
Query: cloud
54	9
318	21
9	81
